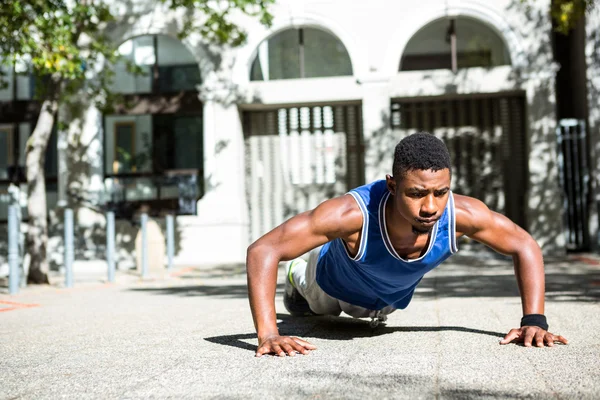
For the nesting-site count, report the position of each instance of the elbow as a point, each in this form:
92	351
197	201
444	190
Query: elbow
528	248
258	255
252	255
254	250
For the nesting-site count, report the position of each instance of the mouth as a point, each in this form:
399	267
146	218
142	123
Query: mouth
427	221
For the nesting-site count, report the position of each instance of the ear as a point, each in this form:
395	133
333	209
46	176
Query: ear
391	184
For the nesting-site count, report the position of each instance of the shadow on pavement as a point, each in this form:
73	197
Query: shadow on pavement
560	287
328	384
336	328
583	287
223	291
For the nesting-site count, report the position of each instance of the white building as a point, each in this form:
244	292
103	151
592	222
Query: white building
312	106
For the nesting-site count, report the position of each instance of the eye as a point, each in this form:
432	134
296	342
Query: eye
440	193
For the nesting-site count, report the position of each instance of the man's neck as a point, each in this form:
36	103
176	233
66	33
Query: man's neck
399	229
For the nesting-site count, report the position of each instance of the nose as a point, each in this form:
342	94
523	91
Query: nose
428	207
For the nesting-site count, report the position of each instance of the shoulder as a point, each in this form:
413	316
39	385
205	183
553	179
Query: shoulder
341	213
471	214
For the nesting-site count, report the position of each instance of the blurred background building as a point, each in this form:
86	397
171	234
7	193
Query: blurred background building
235	141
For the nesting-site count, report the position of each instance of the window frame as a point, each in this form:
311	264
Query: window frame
301	55
455	55
155	75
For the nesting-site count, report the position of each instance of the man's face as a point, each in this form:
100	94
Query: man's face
420	197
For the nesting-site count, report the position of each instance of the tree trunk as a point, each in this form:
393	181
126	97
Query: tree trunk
37	231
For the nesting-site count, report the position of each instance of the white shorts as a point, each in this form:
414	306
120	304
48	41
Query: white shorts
305	278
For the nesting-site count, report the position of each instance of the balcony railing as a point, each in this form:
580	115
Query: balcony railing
173	191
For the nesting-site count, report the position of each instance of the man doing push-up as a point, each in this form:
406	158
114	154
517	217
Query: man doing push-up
370	248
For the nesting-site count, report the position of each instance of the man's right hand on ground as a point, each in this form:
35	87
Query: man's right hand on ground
283	345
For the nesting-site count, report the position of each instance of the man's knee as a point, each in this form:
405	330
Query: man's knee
325	311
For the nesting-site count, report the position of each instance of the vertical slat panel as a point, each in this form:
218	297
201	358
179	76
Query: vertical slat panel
574	179
317	121
474	140
585	182
498	155
462	144
485	129
254	188
577	181
439	128
487	142
519	151
296	157
348	168
267	183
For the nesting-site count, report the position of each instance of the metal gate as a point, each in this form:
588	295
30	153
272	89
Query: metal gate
575	179
297	157
486	137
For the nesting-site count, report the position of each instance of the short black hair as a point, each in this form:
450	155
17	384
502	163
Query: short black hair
420	151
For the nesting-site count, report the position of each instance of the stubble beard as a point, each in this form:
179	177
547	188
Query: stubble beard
420	232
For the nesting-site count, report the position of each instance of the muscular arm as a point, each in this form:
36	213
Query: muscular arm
336	218
476	220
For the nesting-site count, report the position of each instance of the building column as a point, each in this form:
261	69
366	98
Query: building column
378	139
545	207
219	232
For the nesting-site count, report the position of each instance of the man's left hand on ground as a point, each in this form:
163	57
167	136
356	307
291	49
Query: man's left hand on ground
533	336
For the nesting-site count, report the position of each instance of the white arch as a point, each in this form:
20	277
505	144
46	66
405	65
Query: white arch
479	12
245	56
192	43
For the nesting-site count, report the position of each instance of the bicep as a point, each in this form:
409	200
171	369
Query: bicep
501	234
491	228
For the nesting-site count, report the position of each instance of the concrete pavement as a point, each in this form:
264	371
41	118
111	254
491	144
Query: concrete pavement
191	335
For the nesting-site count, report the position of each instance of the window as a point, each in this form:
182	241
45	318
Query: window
128	144
13	139
165	142
6	151
125	154
300	53
178	142
51	162
20	84
153	144
452	44
167	66
155	160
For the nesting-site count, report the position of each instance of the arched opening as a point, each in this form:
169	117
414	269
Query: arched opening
167	66
298	53
453	43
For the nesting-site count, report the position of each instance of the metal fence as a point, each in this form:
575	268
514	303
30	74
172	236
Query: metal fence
575	180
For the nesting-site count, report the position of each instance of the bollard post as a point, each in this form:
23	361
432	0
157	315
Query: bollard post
13	250
110	245
15	200
69	252
144	223
170	240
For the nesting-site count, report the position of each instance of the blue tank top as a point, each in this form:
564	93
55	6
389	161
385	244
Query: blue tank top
377	276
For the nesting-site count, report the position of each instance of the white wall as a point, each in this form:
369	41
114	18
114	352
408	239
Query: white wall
375	34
